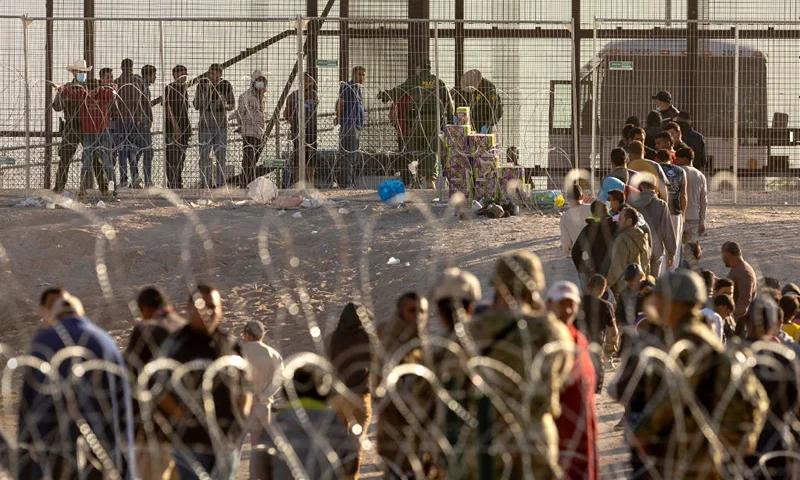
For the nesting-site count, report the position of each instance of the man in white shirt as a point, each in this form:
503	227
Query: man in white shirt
697	196
267	367
574	219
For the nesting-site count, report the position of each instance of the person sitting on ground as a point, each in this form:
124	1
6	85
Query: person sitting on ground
573	220
715	316
314	437
577	425
597	322
772	282
783	337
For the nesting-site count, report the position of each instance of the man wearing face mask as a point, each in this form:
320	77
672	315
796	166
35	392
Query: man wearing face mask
70	126
250	115
664	106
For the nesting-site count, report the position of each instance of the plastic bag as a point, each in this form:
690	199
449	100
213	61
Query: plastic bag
262	190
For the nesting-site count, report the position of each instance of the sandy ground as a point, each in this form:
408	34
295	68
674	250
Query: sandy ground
290	272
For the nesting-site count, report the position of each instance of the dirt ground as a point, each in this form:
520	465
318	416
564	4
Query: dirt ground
292	272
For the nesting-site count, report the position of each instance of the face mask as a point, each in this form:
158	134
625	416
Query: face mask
259	85
81	77
658	108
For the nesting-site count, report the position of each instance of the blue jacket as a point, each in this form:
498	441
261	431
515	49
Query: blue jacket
48	424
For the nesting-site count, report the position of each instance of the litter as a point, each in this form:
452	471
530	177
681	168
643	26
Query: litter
42	284
262	190
407	264
392	192
284	202
393	261
282	213
314	232
101	204
345	211
297	215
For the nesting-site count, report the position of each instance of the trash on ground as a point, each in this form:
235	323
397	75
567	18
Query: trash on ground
345	211
393	261
290	201
262	190
297	215
392	192
407	264
281	213
101	204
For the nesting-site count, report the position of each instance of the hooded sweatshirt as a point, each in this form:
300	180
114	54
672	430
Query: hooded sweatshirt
630	246
350	349
592	250
250	112
656	214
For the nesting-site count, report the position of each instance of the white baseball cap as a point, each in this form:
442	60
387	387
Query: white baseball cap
564	290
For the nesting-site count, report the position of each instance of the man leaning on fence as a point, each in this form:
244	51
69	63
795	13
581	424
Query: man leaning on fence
178	129
350	117
213	98
70	126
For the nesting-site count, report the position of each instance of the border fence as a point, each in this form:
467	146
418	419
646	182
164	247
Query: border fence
546	86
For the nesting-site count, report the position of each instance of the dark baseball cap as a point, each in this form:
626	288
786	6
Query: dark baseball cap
127	63
663	96
632	271
215	66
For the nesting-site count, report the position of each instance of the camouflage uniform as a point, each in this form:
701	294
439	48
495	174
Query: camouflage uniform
534	449
724	390
71	137
425	125
485	105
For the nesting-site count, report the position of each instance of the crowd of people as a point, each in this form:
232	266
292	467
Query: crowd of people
505	387
112	119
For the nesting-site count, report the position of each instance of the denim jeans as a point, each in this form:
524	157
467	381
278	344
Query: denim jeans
349	138
128	146
100	144
146	144
217	140
218	469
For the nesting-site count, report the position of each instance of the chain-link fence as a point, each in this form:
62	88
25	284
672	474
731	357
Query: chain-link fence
731	83
516	60
526	72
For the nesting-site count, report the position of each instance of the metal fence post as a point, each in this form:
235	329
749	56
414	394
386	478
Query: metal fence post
440	179
736	115
301	109
594	100
576	92
163	93
25	24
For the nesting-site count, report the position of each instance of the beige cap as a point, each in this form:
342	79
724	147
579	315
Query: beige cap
457	284
519	271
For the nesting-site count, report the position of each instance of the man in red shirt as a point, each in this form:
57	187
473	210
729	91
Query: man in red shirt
577	425
95	101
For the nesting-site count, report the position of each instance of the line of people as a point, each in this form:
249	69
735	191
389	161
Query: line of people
112	118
